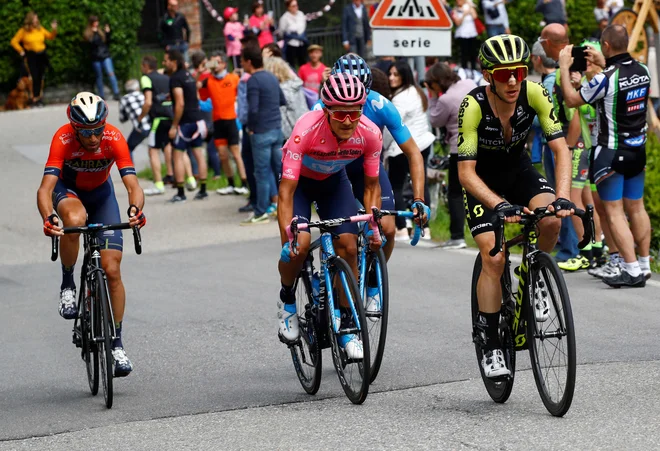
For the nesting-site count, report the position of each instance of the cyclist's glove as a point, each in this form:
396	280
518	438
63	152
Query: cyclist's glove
508	210
286	250
563	204
135	211
49	224
422	208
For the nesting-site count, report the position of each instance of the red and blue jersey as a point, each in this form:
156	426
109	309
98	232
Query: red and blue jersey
81	169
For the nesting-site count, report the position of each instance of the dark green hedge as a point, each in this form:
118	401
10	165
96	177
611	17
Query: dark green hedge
68	53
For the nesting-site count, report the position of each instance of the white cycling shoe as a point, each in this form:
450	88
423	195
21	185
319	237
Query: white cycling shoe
68	308
541	308
352	346
288	318
373	304
494	365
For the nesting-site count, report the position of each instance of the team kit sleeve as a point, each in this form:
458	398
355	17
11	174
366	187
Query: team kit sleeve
595	89
539	99
145	84
372	150
293	151
393	122
469	117
55	160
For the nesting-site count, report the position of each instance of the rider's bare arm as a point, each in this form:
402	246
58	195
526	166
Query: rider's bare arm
285	205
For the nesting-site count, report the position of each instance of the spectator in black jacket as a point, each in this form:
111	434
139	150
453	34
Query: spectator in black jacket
99	41
171	30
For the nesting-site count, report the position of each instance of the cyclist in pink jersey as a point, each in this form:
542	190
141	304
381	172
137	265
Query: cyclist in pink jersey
313	159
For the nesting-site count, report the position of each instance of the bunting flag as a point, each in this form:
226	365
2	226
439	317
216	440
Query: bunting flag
309	16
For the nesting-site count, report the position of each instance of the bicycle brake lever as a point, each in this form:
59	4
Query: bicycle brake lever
54	248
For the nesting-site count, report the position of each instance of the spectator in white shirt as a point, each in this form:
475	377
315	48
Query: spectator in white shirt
466	32
292	26
130	108
497	19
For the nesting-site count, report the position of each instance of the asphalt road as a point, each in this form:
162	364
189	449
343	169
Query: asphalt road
210	372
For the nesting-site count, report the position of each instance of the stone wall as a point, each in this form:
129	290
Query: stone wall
191	9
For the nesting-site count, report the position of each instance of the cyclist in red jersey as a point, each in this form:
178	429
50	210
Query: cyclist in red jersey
77	186
313	170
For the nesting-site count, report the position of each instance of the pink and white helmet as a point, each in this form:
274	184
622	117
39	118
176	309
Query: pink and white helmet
343	89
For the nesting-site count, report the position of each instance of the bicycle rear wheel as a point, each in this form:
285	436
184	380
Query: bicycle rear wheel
90	352
306	352
353	373
498	389
552	342
377	321
104	329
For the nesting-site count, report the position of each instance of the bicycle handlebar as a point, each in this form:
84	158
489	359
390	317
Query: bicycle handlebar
94	228
587	217
417	231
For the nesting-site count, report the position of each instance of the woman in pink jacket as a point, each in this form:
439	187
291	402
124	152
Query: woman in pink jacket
261	24
233	35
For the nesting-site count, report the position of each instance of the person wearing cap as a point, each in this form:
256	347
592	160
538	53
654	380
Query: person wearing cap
311	73
234	32
292	28
545	67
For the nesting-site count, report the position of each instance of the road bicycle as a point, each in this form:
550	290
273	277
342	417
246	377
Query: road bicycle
94	328
551	343
318	295
372	269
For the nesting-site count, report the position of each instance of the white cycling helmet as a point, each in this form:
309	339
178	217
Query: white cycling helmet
87	110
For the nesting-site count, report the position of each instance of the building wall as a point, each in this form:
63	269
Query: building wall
192	10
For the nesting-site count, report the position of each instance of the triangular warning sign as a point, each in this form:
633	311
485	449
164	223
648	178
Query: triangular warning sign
411	14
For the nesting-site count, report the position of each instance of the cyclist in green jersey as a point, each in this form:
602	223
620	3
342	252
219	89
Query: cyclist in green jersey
497	174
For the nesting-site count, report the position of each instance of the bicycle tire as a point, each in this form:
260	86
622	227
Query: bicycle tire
545	265
377	322
308	338
357	395
104	346
498	389
89	349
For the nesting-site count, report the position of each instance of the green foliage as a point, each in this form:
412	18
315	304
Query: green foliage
652	190
68	53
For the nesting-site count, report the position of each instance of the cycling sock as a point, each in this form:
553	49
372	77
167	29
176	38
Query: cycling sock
179	190
492	322
117	341
632	268
587	252
202	187
244	183
597	249
67	277
644	263
287	295
230	181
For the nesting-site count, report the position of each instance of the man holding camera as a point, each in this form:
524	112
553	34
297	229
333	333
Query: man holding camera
621	94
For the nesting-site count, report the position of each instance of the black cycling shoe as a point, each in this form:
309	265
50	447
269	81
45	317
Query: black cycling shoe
624	279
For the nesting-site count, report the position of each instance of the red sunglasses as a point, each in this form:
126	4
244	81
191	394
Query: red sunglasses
504	74
341	115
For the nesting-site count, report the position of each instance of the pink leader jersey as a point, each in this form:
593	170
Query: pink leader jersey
313	151
234	29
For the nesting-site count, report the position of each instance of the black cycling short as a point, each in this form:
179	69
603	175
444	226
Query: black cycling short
226	130
158	137
518	187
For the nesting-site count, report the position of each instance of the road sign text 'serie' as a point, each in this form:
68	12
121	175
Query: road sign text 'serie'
411	28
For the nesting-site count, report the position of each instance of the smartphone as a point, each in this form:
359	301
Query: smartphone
579	59
212	64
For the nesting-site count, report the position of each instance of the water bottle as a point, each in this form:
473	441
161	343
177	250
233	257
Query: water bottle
316	286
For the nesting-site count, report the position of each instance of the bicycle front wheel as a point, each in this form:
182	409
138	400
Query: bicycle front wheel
377	314
104	327
306	352
352	370
498	389
90	351
551	336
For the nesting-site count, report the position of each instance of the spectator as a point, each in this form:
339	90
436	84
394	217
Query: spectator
614	6
384	63
553	11
292	26
554	38
174	31
466	33
446	92
497	19
201	72
381	84
130	108
188	129
158	107
261	24
601	11
30	42
264	125
222	87
99	41
270	50
601	26
355	30
618	162
545	67
311	73
292	87
234	32
412	104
